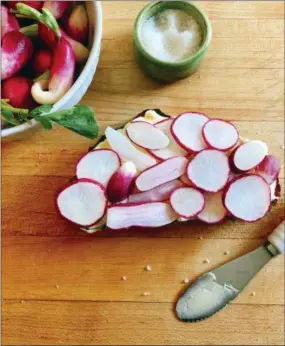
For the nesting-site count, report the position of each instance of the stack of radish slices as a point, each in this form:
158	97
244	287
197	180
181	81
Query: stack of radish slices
152	173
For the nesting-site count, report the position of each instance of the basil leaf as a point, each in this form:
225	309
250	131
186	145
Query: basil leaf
43	109
9	117
44	120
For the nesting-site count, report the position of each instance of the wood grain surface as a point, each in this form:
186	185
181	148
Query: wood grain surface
61	286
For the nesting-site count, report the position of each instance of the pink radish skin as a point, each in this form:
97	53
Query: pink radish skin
75	24
17	49
220	134
37	5
82	202
42	61
18	91
184	178
209	170
161	173
248	197
158	194
214	211
173	148
98	165
57	8
187	131
248	155
269	169
8	21
121	182
147	215
61	75
187	202
146	135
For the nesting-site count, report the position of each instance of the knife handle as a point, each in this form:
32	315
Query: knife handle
277	237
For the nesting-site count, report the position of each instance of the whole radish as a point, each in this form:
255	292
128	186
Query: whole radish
37	5
75	24
57	8
42	61
8	21
17	49
18	91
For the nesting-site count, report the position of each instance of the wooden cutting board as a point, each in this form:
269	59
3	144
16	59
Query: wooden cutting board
63	287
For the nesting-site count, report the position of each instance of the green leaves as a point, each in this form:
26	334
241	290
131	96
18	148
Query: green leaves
8	116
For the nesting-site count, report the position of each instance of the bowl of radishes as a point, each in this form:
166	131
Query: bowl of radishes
50	52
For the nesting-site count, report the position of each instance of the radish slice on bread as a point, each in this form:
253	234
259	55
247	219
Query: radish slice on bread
269	169
214	210
187	201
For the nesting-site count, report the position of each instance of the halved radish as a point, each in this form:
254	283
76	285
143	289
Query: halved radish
187	202
220	134
161	173
99	165
184	178
209	170
82	202
214	210
146	135
248	197
250	154
269	168
127	151
187	131
158	194
173	148
147	215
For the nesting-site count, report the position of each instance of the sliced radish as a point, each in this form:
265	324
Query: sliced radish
269	168
146	135
187	131
248	155
187	202
220	134
184	178
209	170
149	215
158	194
173	148
248	197
82	202
121	182
161	173
127	151
99	165
214	210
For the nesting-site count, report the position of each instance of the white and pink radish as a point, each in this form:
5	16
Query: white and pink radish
209	170
157	194
75	23
82	202
248	197
187	131
147	136
17	90
220	134
42	61
269	168
8	21
120	185
214	210
147	215
187	202
57	8
249	154
161	173
127	151
98	165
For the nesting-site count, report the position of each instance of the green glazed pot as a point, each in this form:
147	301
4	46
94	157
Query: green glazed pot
167	72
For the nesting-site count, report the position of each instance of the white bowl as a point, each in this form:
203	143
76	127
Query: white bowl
79	88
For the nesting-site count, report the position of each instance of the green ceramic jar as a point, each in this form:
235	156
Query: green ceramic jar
164	71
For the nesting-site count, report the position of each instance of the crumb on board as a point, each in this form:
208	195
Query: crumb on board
185	281
146	294
201	237
226	252
282	146
22	302
148	268
124	278
252	294
206	261
57	286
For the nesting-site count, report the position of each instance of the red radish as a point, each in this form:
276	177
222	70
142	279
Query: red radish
187	202
57	8
209	170
75	23
17	49
61	75
42	61
99	165
147	215
220	134
187	131
269	168
121	182
18	91
214	211
250	154
173	148
127	151
37	5
184	178
161	173
248	197
158	194
8	21
83	202
146	135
